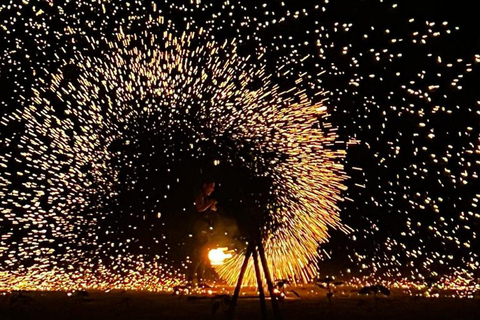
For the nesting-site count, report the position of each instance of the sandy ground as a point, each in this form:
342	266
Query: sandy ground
146	306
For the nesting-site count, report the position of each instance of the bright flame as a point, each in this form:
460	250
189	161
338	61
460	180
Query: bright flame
218	256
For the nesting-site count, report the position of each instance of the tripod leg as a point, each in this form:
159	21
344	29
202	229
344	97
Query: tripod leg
236	293
268	278
263	306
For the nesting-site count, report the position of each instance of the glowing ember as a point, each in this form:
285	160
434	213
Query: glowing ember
218	256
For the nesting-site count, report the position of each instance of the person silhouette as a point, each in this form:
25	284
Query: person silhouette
203	228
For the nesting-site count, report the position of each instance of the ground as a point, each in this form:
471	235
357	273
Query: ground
119	305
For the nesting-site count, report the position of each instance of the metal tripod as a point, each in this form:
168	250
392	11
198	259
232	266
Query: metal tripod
255	249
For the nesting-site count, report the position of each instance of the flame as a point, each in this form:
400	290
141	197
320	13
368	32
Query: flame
218	256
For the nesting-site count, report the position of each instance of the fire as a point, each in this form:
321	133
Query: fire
218	256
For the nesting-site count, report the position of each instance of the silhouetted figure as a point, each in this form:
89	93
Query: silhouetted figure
203	229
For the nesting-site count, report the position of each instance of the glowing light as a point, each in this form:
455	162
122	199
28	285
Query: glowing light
218	256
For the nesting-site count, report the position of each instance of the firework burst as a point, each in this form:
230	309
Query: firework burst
189	84
97	92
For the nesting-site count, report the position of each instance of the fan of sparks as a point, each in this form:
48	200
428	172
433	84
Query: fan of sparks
194	85
83	75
